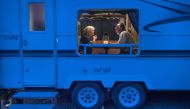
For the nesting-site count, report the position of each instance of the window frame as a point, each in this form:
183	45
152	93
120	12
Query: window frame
111	45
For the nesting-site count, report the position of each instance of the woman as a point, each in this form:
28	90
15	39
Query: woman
89	36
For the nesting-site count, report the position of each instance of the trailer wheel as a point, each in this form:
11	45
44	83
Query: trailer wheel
128	96
88	96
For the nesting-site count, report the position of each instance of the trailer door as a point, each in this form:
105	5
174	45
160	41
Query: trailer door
38	43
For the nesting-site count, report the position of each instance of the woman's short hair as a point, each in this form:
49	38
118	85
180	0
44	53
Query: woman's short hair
87	28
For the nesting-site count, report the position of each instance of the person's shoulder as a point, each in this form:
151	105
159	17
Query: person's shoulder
124	33
84	37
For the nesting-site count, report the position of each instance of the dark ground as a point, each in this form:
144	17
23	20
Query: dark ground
156	100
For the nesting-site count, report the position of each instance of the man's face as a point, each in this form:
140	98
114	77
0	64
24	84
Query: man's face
118	29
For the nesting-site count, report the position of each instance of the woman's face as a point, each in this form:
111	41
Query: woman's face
91	32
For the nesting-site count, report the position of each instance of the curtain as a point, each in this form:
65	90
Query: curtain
134	17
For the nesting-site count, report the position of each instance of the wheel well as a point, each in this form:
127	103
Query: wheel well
137	82
74	83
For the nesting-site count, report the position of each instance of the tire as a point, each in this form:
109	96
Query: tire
128	96
88	96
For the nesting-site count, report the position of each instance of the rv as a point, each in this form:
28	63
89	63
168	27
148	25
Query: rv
46	48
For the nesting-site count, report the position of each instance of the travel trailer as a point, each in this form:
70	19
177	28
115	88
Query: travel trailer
42	53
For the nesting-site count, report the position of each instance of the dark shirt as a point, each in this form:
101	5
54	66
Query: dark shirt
86	40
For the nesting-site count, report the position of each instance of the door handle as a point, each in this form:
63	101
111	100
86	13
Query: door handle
25	42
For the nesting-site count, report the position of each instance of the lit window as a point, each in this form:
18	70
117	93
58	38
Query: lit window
37	17
108	31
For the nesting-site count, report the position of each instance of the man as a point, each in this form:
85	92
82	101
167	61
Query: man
124	37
